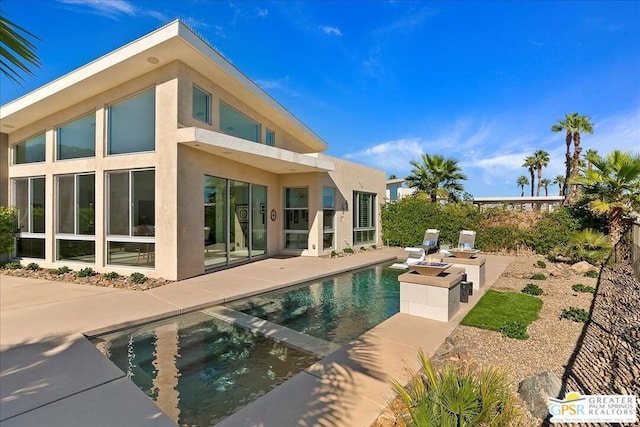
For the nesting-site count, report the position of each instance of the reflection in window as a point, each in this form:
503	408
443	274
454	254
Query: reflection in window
132	124
237	124
328	215
270	138
201	102
364	229
77	139
296	218
75	219
29	200
30	151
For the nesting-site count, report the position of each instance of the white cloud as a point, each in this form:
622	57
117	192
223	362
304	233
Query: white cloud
393	156
113	8
332	31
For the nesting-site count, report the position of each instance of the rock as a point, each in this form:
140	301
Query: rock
535	391
556	272
582	267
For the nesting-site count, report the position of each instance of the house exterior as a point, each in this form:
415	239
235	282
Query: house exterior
396	189
161	157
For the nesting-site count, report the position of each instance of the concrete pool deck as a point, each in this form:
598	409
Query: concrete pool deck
50	374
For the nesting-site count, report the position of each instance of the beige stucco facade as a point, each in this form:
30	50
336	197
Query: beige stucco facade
170	62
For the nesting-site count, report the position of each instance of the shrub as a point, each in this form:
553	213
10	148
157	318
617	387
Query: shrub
538	276
138	278
586	245
334	254
575	314
111	276
516	330
8	221
348	250
541	264
552	230
374	247
61	270
33	266
363	249
532	289
497	237
12	266
592	273
579	287
86	272
455	396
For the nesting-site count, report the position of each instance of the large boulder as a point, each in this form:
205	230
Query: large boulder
535	391
582	267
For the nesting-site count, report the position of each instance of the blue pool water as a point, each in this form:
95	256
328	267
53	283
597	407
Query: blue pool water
200	370
338	309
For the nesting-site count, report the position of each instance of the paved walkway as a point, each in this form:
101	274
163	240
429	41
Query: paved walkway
51	375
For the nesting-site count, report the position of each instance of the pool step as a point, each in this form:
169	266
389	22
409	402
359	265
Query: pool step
274	331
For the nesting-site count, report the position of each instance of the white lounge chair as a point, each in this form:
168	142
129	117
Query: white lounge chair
415	256
467	239
430	241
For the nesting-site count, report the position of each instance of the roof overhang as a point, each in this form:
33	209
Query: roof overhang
260	156
173	42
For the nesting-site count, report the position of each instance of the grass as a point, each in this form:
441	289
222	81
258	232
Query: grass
497	308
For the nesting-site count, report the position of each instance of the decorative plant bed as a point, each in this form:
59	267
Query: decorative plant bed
430	268
464	253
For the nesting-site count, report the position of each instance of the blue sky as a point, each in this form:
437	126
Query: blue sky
384	81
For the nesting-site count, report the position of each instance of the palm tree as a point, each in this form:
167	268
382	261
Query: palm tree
573	124
542	160
559	179
590	152
522	181
612	187
17	52
436	176
545	183
531	164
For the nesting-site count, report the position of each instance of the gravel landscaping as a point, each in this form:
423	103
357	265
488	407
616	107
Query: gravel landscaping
551	342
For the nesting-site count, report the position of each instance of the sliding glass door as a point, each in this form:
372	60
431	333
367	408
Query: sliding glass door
234	221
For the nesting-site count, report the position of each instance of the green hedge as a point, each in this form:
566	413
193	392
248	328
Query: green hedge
7	228
405	221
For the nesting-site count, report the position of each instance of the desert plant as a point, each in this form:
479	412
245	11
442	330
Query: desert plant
541	264
586	245
579	287
86	272
455	396
33	266
363	249
348	250
575	314
515	330
12	266
374	247
592	274
138	278
112	275
532	289
538	276
61	270
334	254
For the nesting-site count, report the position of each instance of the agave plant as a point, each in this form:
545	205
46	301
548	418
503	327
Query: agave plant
456	397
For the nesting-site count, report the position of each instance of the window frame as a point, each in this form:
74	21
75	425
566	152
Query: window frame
332	228
271	142
109	122
358	229
303	211
30	233
77	119
14	149
249	118
208	105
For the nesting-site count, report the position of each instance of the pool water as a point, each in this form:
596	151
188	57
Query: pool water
199	369
338	309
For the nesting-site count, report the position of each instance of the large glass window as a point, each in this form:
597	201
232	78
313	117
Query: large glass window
131	218
270	138
30	151
296	218
328	217
29	200
75	218
237	124
201	103
77	139
132	124
364	227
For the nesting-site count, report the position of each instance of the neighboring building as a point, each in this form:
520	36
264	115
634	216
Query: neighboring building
162	157
396	189
526	202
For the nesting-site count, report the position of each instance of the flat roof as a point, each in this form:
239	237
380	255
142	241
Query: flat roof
172	42
525	199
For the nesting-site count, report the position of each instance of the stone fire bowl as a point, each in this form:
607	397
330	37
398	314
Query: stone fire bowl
430	268
464	253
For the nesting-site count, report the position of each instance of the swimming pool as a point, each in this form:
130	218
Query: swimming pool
200	369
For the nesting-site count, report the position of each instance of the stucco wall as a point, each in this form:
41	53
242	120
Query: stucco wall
4	169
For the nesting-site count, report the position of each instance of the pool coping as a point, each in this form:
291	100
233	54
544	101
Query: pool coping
71	310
